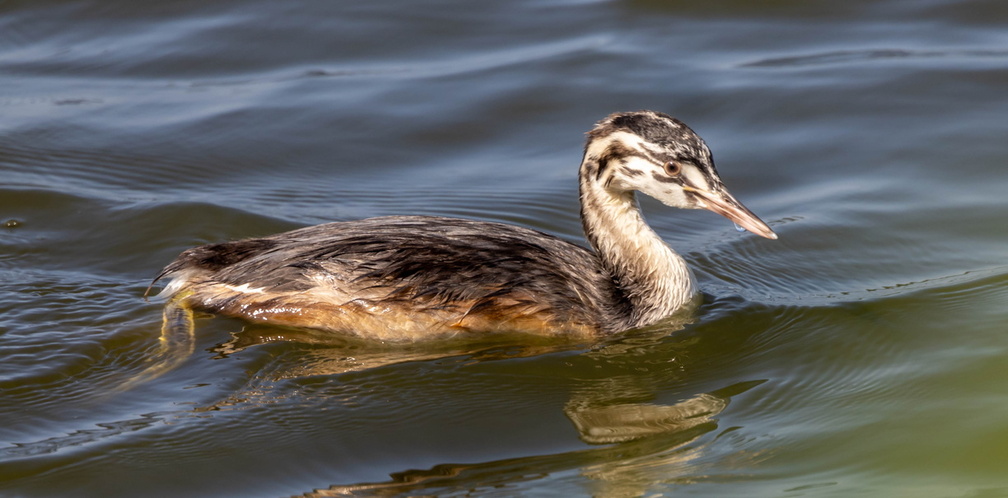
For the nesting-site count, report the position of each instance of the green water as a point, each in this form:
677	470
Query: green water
861	354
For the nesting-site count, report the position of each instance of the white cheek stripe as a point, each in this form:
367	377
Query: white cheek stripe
640	163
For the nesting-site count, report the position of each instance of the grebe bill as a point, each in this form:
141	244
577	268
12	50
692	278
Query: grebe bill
409	278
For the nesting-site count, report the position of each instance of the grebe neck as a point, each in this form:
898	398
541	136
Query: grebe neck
653	278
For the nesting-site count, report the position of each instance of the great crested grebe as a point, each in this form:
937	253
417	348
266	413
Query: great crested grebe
406	278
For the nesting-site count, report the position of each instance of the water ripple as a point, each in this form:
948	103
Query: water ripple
849	57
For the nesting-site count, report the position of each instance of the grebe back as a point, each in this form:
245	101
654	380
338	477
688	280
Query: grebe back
406	278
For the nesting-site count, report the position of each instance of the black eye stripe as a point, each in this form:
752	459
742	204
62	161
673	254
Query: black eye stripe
618	151
664	178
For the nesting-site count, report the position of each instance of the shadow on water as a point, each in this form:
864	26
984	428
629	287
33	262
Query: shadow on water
635	442
644	444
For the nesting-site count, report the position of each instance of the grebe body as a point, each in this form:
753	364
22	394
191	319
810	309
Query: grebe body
408	278
404	278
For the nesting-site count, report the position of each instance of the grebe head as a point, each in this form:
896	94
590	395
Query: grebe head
659	155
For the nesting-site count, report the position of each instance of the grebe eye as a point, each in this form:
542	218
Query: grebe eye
673	168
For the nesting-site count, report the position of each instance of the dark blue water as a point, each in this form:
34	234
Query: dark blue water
862	353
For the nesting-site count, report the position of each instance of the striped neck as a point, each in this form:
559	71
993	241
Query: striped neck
654	279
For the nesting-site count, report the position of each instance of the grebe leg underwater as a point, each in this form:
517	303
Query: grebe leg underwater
408	278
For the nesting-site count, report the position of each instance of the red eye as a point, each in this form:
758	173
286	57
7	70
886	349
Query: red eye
673	168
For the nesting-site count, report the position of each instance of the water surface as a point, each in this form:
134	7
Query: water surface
864	352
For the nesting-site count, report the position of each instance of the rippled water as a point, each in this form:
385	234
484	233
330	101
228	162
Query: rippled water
863	353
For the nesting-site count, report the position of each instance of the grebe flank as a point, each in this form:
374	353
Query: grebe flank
407	278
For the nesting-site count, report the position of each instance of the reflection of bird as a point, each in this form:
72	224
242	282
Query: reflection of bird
413	277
